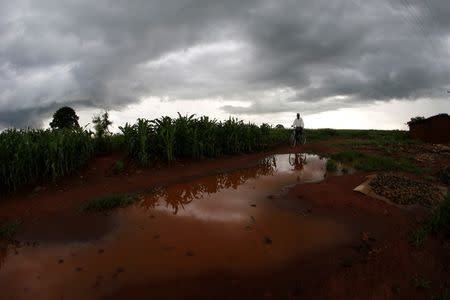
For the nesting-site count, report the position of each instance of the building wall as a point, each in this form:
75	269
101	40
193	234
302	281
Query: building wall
434	130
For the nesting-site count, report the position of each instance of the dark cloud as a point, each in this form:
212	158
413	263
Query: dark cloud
33	117
327	55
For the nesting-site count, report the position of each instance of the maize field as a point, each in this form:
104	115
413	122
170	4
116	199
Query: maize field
32	156
166	139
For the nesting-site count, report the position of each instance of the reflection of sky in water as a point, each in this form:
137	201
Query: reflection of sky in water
227	197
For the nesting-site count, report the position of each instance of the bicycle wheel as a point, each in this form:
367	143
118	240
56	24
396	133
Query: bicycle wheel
303	157
292	159
292	140
303	139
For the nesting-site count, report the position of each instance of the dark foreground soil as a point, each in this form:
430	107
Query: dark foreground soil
376	263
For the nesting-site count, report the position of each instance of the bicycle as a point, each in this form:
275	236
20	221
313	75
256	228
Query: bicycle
301	140
297	160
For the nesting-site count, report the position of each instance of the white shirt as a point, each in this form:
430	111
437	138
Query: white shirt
298	123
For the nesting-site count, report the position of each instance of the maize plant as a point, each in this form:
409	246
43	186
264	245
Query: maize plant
167	139
32	156
165	131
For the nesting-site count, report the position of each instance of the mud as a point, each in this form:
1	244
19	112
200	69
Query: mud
232	228
236	222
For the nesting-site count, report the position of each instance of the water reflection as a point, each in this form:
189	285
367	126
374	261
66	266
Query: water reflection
177	196
297	160
287	168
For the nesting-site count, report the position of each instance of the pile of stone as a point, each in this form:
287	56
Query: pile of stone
405	191
439	148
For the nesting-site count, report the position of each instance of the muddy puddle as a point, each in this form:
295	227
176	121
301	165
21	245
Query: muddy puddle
238	222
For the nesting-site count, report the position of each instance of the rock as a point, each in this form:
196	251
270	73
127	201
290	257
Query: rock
404	191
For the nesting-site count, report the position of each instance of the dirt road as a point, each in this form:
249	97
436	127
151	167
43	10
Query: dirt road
251	226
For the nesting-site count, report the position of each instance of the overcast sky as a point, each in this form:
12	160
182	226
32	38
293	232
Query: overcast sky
340	63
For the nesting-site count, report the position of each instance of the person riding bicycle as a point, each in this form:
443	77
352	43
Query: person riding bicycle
298	126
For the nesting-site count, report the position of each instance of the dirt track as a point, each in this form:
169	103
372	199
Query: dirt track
373	259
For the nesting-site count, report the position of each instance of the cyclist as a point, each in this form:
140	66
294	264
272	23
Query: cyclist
298	126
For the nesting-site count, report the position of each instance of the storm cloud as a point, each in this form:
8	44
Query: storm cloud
276	56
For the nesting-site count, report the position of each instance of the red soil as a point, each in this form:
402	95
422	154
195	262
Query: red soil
378	263
62	199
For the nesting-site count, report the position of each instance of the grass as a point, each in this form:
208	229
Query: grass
379	137
108	202
347	156
119	167
418	237
438	223
440	219
320	134
374	162
422	283
8	230
331	165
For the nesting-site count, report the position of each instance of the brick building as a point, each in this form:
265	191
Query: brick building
435	129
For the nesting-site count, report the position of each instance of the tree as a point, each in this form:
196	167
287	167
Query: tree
102	134
416	119
279	126
101	124
65	117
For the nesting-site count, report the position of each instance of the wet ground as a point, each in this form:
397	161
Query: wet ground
232	223
201	237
